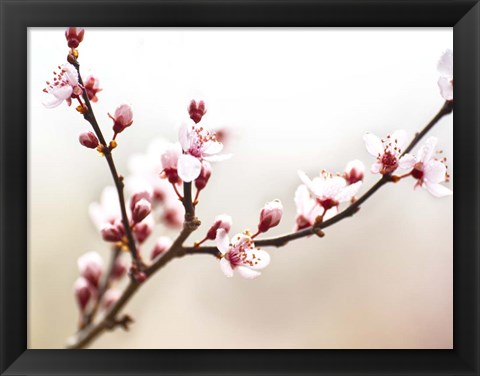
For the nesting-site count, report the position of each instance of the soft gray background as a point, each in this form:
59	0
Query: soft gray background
293	99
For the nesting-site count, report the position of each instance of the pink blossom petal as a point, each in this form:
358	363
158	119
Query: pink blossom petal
373	144
435	172
305	180
436	189
376	168
71	74
217	158
52	102
262	259
222	241
446	88
426	151
226	267
184	136
302	197
212	147
333	186
188	168
247	273
348	192
445	64
407	161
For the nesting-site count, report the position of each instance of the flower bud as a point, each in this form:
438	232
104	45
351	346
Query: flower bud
74	36
169	163
113	232
141	209
204	176
91	86
83	292
110	298
173	215
162	245
88	139
223	221
270	215
119	269
122	118
90	267
137	196
354	171
196	110
142	231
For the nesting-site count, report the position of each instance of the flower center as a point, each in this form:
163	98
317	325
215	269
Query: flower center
237	254
328	203
417	171
200	138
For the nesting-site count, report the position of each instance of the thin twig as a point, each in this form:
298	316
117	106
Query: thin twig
118	180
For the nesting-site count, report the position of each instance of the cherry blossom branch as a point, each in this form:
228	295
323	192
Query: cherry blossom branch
282	240
87	334
118	179
105	284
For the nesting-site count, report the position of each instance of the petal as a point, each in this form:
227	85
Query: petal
212	147
71	74
217	158
373	144
445	64
62	92
435	172
437	190
301	199
426	151
348	192
247	272
184	136
333	186
401	137
52	102
376	168
446	88
260	259
188	168
222	241
226	267
407	161
305	180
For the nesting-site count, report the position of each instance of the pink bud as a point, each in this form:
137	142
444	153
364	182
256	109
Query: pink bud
141	209
91	86
137	196
204	176
221	221
82	292
119	269
74	36
122	118
354	171
196	111
142	231
113	232
173	215
88	139
110	298
162	245
170	161
140	277
90	267
270	215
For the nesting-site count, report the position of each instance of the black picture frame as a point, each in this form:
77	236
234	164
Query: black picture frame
17	16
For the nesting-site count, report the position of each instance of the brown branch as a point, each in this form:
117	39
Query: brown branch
282	240
86	335
109	321
118	180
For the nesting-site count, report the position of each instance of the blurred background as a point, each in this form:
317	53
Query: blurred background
291	99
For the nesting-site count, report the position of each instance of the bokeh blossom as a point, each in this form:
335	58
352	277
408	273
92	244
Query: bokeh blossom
445	82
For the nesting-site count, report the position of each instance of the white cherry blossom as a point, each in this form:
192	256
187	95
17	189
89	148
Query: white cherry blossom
445	68
427	169
240	255
387	150
63	87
